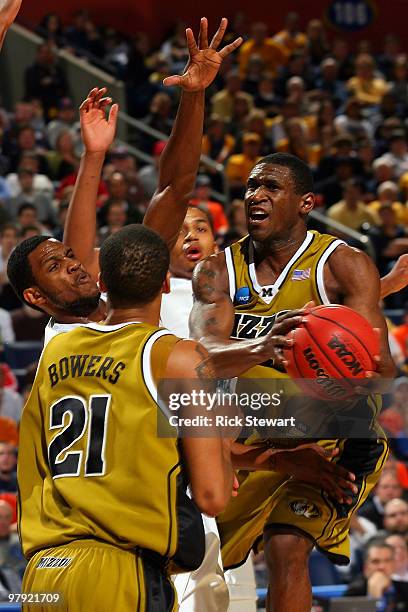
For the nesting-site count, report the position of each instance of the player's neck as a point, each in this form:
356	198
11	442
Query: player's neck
96	316
278	251
149	313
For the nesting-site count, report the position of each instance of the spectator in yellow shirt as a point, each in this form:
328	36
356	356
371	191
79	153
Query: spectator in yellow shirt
365	86
387	193
290	37
271	52
223	102
239	166
352	211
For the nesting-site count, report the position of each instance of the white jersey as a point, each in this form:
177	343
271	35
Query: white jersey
176	307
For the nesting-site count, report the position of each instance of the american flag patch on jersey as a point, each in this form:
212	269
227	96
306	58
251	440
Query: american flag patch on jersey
301	274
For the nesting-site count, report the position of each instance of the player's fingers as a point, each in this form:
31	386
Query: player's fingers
113	114
171	81
105	102
191	43
309	305
281	342
299	312
284	327
203	34
231	47
340	472
93	93
219	35
98	96
346	485
85	106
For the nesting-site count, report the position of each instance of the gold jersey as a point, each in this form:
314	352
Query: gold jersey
91	464
256	307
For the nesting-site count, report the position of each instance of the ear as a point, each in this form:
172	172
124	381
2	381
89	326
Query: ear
307	203
34	297
101	284
166	284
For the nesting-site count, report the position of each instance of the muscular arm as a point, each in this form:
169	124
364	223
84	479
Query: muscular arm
352	279
178	169
207	460
181	157
212	321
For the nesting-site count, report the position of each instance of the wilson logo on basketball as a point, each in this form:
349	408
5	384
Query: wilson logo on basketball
347	357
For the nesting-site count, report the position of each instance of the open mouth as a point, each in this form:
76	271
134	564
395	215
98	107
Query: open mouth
193	253
257	215
83	278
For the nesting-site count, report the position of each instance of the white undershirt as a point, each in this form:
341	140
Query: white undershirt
176	307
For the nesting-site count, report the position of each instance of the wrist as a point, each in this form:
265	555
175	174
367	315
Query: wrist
94	155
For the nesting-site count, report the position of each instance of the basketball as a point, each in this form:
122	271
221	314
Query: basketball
333	345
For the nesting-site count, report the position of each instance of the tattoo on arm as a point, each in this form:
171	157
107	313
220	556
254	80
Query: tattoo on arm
208	272
205	368
204	283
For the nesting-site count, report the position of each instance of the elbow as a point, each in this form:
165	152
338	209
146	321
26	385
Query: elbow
210	502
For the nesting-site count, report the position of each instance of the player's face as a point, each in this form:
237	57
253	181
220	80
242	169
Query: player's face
272	207
195	242
63	285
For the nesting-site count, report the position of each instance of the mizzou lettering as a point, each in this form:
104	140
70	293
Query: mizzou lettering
247	326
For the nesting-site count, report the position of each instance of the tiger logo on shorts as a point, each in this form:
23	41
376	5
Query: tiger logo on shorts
302	507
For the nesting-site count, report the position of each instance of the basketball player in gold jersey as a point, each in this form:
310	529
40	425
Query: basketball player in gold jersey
239	294
103	510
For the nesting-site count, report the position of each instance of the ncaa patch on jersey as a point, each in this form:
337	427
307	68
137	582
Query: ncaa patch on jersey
303	507
53	562
242	296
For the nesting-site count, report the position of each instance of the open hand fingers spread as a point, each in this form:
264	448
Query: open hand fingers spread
219	35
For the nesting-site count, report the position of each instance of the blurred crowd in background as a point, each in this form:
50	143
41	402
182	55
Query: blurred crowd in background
340	108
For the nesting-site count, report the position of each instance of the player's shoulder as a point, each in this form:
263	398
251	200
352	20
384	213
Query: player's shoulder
351	262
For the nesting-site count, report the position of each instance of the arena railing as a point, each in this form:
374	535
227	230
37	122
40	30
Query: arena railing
363	240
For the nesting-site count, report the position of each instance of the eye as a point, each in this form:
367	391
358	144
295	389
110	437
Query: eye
202	229
53	267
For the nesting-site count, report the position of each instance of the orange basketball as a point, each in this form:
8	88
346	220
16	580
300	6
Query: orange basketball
333	345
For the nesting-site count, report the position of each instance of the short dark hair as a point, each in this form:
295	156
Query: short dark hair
25	206
300	172
376	541
19	271
29	228
134	263
8	226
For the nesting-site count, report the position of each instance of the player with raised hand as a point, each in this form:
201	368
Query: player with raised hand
178	163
